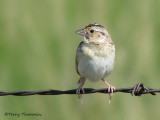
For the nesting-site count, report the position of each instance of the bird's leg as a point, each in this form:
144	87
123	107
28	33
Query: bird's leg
110	89
81	82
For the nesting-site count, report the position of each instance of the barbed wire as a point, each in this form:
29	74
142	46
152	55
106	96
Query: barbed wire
137	90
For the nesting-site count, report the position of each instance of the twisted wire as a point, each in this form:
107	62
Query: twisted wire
137	90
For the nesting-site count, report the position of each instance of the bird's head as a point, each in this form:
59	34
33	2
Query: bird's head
93	33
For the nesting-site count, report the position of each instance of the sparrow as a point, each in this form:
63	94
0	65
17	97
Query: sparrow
95	56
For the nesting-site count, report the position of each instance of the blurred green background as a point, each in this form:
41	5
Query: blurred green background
37	52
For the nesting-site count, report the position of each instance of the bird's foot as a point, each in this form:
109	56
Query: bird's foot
80	89
79	92
110	89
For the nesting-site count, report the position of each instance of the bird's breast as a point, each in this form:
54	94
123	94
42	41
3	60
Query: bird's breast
95	68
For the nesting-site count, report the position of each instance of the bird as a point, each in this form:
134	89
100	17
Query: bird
95	56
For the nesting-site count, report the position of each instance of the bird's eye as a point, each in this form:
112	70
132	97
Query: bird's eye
92	31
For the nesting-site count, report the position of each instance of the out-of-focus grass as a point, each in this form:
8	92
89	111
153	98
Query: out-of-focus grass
37	51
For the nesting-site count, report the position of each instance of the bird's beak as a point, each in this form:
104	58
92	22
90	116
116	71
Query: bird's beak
81	32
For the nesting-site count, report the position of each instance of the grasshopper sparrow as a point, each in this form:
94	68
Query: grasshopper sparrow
95	56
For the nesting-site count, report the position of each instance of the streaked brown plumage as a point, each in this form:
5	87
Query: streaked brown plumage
95	55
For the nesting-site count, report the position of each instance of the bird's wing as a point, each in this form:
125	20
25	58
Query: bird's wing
78	55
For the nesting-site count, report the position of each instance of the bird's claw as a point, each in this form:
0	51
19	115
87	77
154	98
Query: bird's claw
111	90
79	91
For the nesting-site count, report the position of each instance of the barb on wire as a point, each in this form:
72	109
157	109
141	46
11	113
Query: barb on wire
137	90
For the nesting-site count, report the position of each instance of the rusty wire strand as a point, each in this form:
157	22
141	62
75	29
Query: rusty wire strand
137	90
